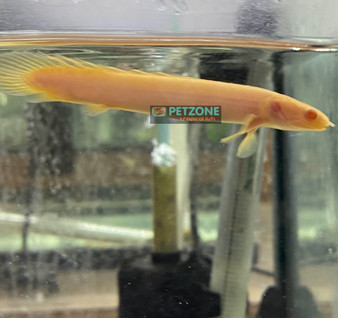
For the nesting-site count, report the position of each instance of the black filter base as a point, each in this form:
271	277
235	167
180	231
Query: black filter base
274	304
163	286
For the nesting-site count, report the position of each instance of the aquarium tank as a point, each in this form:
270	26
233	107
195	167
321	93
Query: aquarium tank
109	207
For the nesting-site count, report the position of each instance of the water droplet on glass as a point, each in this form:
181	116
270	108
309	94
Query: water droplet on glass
161	5
180	6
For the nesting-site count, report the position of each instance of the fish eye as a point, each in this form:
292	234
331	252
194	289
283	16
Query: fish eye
311	114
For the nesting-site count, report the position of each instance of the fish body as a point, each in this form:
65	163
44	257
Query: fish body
41	77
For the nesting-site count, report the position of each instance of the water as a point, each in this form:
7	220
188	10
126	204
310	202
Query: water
60	166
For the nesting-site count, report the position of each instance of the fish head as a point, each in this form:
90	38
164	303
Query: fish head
287	113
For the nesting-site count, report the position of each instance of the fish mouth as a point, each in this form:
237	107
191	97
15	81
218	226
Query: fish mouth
310	127
319	123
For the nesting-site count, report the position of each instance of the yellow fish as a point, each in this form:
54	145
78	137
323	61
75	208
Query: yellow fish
41	77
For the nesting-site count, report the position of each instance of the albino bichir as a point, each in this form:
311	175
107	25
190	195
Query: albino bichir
42	77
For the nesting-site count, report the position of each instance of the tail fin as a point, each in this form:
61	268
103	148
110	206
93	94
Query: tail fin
14	67
12	70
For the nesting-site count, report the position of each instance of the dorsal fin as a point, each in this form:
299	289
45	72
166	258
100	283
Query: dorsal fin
163	74
18	62
14	66
139	72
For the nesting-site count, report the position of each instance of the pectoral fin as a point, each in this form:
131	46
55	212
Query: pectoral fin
251	123
237	134
248	146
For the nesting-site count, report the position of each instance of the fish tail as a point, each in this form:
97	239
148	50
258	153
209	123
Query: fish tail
14	67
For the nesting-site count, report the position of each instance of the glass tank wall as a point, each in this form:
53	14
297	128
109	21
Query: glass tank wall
81	194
